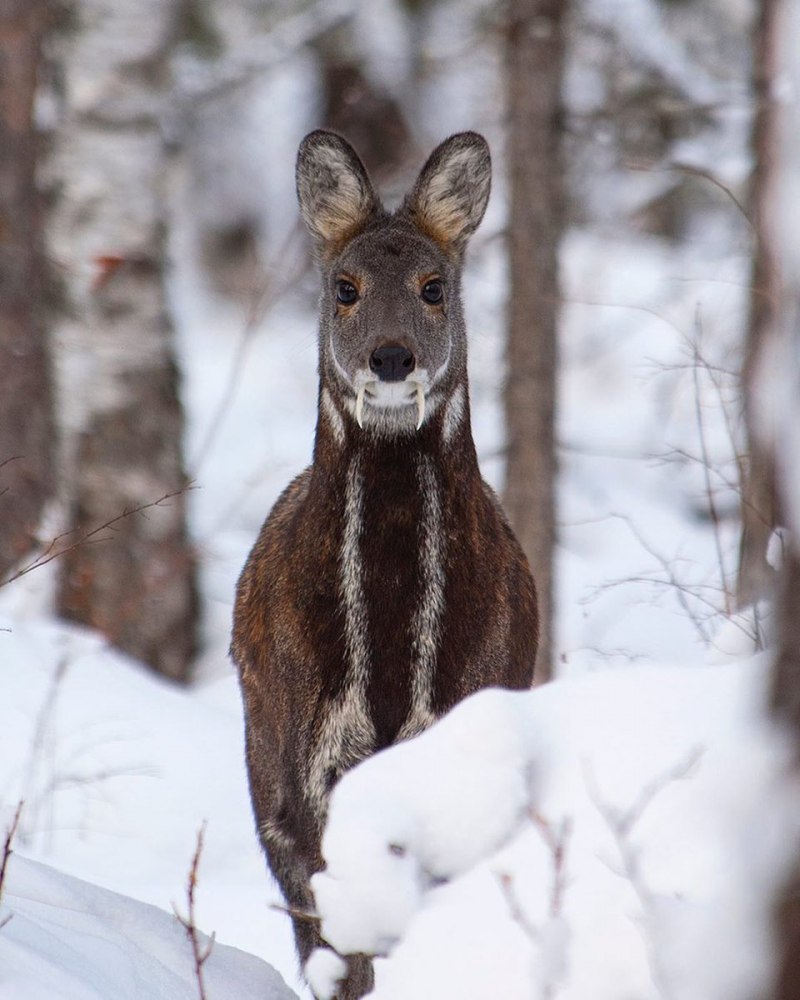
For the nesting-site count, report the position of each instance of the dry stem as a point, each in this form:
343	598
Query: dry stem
706	465
199	953
53	551
7	852
556	840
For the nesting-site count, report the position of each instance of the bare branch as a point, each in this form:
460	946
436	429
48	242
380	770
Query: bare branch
7	852
678	587
692	171
200	954
53	551
556	839
6	461
12	458
706	465
518	915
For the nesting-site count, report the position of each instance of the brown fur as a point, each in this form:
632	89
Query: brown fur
430	550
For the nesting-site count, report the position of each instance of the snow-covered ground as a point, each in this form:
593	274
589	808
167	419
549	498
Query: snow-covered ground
118	772
575	841
65	938
614	835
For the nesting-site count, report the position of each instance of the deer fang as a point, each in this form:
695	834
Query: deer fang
420	405
360	406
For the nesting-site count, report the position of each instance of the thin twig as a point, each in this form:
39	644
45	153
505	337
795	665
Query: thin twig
7	852
706	465
556	840
679	588
199	954
89	537
518	915
681	591
692	171
7	461
42	750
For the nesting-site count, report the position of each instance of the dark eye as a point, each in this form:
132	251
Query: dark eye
433	292
346	292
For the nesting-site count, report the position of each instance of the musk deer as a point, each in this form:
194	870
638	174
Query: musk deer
386	584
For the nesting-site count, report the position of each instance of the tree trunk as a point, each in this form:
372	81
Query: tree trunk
759	494
534	64
119	383
26	422
786	708
773	397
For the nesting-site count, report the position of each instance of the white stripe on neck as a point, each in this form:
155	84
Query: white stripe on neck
347	734
453	414
426	622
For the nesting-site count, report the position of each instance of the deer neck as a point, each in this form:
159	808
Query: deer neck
394	504
444	441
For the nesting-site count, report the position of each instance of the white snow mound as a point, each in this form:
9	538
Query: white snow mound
69	939
587	838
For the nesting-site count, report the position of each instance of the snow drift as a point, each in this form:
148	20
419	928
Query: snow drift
617	835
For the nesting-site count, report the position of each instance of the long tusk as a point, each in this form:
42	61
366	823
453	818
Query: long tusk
420	405
360	406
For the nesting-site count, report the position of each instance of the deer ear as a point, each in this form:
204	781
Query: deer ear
449	199
335	193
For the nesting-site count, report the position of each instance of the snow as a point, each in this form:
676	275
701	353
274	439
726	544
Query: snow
594	837
776	548
119	770
324	970
68	938
485	858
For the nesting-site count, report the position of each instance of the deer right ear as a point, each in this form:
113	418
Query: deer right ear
450	196
335	193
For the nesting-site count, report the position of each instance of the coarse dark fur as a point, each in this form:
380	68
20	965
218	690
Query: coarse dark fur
386	584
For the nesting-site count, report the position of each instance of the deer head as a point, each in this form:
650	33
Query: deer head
392	335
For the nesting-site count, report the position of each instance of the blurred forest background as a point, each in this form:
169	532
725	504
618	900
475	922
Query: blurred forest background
155	284
145	139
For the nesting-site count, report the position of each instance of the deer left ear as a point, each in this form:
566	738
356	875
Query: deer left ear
336	196
448	201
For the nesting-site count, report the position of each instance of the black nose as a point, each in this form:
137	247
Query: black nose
392	363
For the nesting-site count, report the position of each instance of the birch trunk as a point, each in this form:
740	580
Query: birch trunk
118	380
26	423
534	58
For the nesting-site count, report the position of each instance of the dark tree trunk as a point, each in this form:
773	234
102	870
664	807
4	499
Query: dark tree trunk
760	512
786	708
357	107
772	394
26	421
534	66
